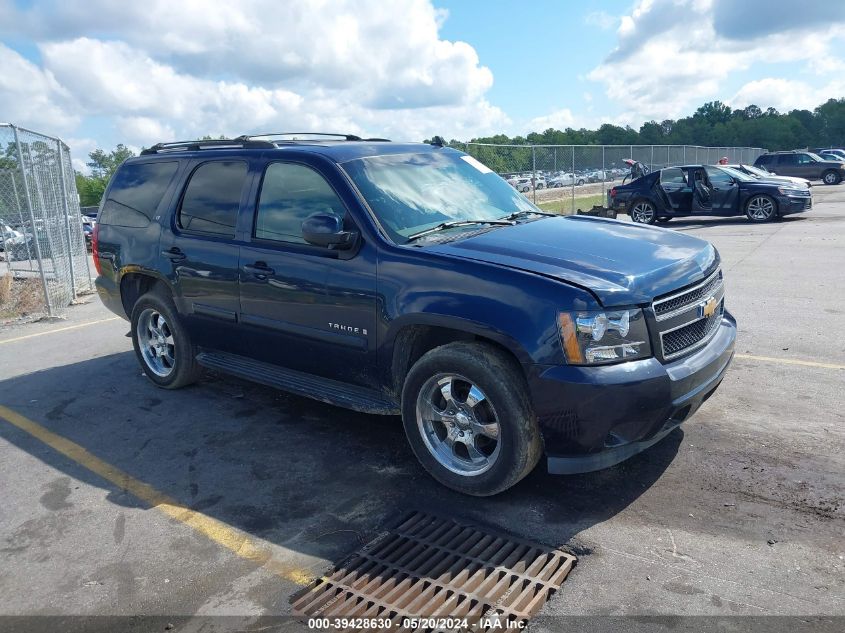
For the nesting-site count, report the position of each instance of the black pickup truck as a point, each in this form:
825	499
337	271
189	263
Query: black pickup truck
410	279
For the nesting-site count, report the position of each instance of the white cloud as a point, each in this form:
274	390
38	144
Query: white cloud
79	150
178	69
559	120
601	19
670	57
31	96
785	94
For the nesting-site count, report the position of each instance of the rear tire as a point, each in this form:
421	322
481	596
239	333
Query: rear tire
831	177
162	345
643	211
469	420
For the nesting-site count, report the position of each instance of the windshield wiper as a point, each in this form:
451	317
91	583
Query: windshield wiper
456	223
518	214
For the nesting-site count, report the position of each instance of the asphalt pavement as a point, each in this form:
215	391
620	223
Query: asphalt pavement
226	498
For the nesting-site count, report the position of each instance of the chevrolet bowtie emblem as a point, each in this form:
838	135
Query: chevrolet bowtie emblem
708	308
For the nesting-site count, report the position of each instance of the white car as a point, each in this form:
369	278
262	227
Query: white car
566	179
762	174
524	185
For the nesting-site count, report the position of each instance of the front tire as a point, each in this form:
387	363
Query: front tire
162	345
831	178
761	208
469	420
643	212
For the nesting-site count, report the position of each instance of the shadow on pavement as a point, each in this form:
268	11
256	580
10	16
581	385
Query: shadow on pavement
311	477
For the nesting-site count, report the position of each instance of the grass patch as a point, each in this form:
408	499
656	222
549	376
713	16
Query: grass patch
565	205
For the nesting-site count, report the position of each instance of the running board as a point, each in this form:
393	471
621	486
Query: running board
325	390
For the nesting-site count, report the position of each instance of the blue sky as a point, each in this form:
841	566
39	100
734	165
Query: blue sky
102	72
540	52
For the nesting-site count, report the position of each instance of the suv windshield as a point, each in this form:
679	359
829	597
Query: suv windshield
410	193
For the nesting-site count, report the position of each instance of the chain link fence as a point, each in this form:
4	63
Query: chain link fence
43	254
565	178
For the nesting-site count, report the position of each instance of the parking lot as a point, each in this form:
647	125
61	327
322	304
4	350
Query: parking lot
226	498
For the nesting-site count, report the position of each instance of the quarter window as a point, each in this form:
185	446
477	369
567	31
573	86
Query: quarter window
289	194
673	175
136	192
212	198
718	177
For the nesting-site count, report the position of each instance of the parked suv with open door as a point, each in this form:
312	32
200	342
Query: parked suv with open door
410	279
802	165
692	190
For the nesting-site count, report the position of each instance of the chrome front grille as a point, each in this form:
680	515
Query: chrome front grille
688	319
668	306
687	336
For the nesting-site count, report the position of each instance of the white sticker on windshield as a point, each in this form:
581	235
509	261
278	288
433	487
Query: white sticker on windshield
484	169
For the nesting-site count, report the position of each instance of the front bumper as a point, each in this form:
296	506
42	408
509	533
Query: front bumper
794	204
595	417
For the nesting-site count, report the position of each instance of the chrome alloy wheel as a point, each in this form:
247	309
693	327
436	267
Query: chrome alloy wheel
458	424
155	340
761	208
643	212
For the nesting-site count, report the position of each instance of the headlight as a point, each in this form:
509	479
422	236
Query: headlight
789	190
592	338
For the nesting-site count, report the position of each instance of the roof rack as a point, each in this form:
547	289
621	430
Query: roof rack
345	137
195	146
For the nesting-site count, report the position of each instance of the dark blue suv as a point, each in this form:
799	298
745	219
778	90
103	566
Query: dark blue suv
410	279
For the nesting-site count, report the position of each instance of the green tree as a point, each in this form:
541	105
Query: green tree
103	165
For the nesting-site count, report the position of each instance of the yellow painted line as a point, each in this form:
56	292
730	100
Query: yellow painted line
221	533
58	329
789	361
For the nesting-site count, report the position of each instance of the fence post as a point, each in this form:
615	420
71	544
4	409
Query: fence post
572	208
603	178
67	220
685	155
32	221
651	167
534	173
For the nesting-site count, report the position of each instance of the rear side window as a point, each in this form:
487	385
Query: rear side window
212	198
135	193
289	194
673	175
788	159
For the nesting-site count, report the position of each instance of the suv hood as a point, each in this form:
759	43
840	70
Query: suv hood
621	263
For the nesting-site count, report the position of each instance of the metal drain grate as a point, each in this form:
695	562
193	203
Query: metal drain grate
429	567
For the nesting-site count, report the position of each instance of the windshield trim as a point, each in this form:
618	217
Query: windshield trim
368	210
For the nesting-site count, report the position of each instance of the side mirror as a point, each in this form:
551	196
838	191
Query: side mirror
326	229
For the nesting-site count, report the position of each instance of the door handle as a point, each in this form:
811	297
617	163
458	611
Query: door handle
174	254
259	269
